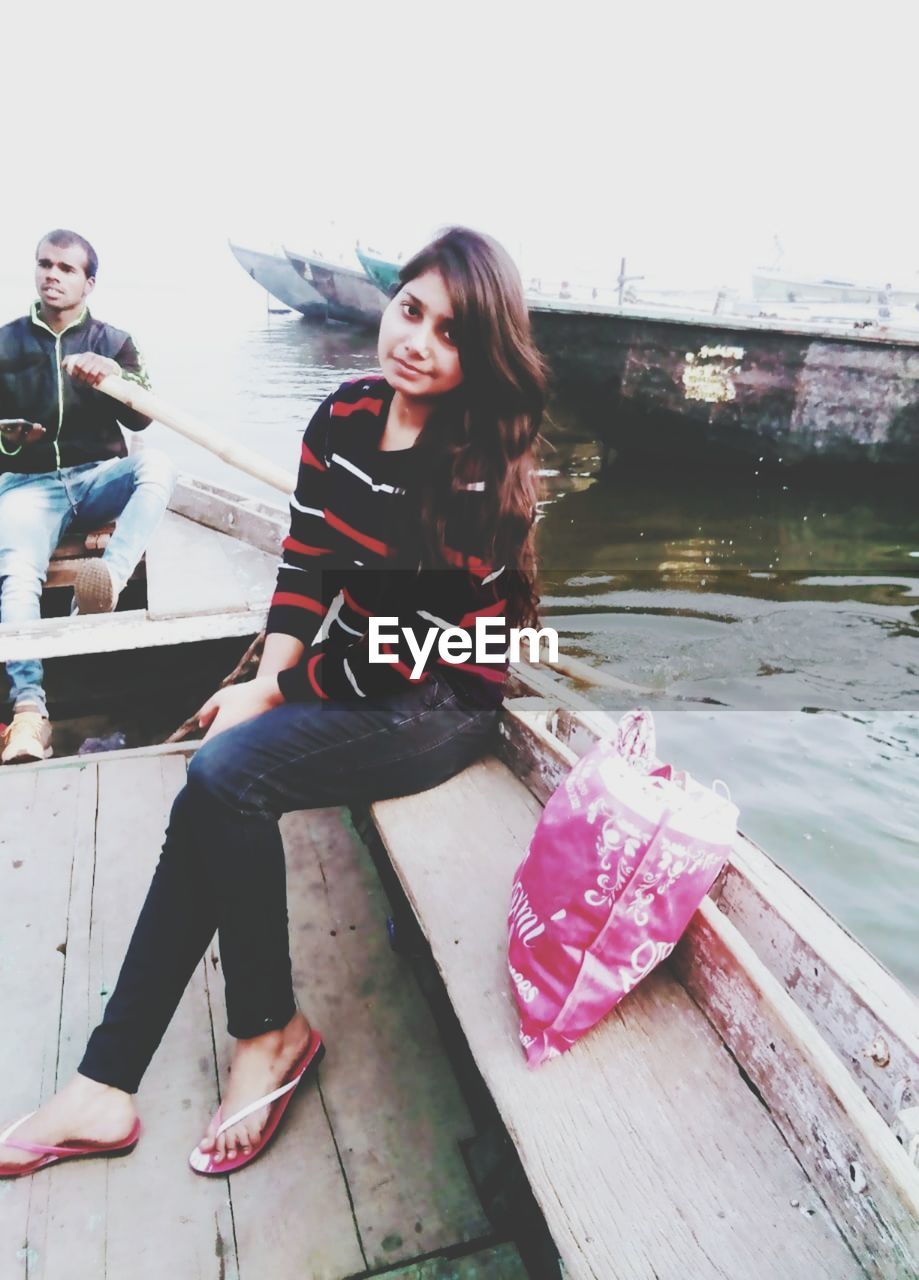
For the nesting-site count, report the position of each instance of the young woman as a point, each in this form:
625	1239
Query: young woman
415	500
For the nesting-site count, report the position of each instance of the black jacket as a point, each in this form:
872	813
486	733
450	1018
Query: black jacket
81	424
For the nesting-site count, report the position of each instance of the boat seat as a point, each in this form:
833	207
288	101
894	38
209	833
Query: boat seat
646	1147
75	548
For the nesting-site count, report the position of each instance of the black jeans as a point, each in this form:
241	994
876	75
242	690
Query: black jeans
222	865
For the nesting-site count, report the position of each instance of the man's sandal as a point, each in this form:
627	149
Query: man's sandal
203	1162
45	1156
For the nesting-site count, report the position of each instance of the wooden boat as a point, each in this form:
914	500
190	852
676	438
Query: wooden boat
275	274
671	389
752	1109
772	284
351	297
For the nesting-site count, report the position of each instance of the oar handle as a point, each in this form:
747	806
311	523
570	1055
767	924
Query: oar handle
237	455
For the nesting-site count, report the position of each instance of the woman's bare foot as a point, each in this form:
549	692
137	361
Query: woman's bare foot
83	1111
258	1067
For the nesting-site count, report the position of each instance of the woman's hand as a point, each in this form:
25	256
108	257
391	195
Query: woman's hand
237	703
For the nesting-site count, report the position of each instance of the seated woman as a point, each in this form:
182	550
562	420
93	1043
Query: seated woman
415	501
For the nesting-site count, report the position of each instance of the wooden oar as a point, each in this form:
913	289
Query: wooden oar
237	455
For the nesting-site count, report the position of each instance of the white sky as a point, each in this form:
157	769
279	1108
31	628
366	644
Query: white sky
684	136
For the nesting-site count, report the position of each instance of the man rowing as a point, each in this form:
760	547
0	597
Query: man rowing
64	464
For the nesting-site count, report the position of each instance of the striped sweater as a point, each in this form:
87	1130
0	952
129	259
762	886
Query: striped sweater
353	553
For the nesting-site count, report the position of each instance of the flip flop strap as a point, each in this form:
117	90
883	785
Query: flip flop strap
34	1148
258	1104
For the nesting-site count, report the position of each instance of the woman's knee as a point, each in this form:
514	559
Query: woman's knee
219	776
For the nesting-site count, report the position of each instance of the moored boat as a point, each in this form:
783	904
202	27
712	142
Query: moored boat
674	388
383	273
774	285
351	296
274	273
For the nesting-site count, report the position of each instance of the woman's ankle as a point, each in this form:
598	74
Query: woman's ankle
94	1092
277	1042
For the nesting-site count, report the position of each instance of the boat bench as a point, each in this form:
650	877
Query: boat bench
72	550
703	1129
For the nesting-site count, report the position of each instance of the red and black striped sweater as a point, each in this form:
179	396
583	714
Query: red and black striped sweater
350	555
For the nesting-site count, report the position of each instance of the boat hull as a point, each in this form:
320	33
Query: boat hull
350	296
671	391
384	274
276	274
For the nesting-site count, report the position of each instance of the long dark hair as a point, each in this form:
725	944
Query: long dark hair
488	429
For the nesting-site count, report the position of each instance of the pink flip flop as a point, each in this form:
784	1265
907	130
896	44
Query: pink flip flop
54	1155
203	1162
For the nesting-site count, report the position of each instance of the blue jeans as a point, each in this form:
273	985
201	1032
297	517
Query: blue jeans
37	509
222	867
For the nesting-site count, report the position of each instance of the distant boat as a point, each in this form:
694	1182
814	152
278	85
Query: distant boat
384	274
770	284
275	274
350	295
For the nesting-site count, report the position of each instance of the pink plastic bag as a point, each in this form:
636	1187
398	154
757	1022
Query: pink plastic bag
624	852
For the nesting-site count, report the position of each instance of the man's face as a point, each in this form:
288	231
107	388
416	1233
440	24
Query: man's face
60	276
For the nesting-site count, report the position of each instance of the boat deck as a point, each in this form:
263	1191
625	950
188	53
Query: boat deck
367	1176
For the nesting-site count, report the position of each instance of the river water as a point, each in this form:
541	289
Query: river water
776	626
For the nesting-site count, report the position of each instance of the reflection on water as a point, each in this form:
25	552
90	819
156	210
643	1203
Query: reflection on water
777	598
795	607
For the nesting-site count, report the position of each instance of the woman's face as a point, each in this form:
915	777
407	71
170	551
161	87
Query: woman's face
416	348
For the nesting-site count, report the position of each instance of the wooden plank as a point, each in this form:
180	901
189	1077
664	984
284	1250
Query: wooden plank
291	1213
311	1228
864	1175
257	523
46	829
105	633
534	755
62	572
862	1011
143	1216
865	1015
57	763
399	1143
194	570
93	543
648	1153
161	1219
388	1098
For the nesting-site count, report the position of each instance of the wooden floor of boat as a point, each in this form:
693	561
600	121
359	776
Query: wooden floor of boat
366	1176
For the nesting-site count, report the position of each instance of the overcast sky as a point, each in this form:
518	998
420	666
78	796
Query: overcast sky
683	136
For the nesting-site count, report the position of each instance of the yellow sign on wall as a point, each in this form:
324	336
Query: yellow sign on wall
707	374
